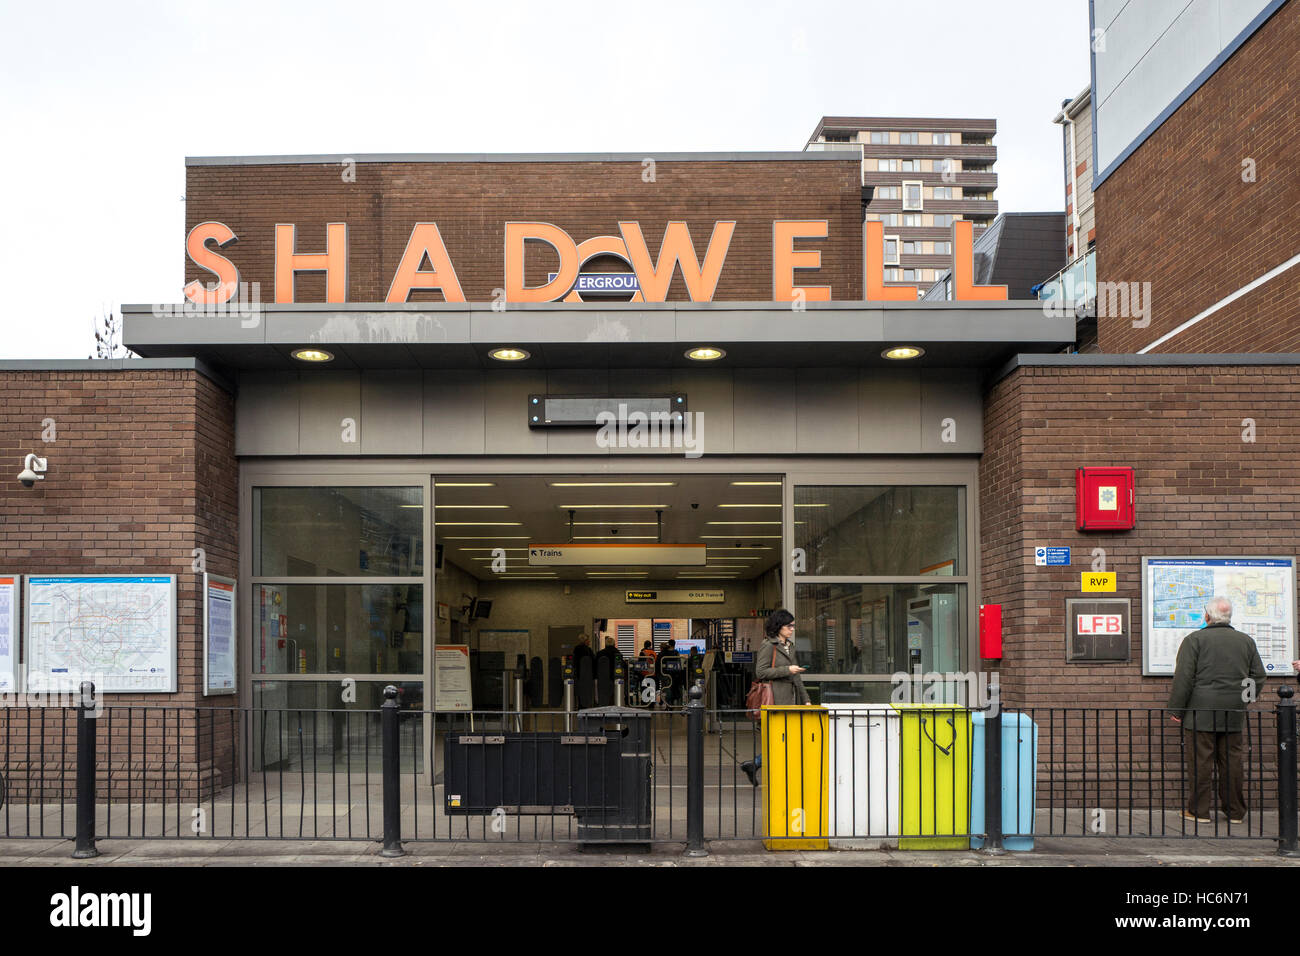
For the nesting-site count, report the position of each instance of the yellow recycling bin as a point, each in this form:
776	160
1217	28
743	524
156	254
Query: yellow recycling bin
796	777
936	760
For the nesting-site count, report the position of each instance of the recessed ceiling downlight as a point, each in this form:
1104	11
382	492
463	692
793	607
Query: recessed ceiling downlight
903	352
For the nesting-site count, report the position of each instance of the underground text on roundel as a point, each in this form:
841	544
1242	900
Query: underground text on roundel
77	909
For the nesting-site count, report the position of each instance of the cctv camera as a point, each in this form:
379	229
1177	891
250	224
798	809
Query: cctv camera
694	505
613	531
32	465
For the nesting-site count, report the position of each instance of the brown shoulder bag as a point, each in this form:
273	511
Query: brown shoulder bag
760	695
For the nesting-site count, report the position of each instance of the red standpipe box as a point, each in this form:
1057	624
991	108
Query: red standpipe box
1103	499
991	631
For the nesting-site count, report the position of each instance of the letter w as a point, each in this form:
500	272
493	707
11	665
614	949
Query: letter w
677	250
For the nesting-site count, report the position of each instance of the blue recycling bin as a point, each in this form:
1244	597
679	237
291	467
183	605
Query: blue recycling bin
1019	766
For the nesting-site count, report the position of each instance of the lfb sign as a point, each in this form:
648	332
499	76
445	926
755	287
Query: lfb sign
1099	623
1097	630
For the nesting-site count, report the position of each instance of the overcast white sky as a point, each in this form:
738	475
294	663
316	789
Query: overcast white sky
101	102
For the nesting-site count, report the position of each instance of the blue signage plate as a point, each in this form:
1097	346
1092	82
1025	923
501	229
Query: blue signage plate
1051	556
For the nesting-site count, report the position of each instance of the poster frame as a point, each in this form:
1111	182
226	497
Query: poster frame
208	580
172	630
15	673
1289	560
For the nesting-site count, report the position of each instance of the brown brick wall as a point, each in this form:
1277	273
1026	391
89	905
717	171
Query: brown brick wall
471	202
141	473
1177	214
1199	489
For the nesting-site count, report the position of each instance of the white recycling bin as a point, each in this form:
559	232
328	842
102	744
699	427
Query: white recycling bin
865	768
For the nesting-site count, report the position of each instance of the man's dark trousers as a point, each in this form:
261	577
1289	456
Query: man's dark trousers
1209	751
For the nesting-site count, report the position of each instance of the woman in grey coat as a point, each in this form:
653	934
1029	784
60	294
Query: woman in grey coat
774	662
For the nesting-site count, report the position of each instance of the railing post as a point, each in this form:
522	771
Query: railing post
695	773
86	713
993	771
390	738
1286	772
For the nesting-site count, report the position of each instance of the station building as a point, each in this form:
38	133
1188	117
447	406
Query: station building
382	397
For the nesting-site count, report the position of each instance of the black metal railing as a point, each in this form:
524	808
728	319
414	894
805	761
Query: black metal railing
924	776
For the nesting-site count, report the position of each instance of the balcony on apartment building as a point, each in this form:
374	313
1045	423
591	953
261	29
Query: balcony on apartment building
1074	288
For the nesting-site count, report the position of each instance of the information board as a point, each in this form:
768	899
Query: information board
1175	590
8	634
117	630
451	689
218	635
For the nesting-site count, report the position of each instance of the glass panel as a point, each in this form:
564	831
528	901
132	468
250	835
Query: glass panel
880	629
881	530
301	725
338	629
338	532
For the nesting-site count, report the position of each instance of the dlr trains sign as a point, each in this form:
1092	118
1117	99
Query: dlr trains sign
649	275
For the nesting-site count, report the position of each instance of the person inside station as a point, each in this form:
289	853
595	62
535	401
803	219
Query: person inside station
584	672
607	658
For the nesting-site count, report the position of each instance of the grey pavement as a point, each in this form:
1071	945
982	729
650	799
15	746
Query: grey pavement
1048	851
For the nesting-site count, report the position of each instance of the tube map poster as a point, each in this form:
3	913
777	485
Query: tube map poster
1174	592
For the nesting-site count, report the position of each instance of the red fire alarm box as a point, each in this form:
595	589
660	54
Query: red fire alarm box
991	631
1103	499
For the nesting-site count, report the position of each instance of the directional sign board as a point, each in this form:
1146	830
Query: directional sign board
677	596
616	554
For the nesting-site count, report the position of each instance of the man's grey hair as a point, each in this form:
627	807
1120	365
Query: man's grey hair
1218	610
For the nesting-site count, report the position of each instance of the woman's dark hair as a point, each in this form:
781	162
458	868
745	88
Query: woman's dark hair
777	620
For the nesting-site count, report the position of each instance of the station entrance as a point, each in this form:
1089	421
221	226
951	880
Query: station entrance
634	579
430	575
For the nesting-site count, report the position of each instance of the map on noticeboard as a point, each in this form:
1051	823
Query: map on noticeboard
1175	590
8	634
117	630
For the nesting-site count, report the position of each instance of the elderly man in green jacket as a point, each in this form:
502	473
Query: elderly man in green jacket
1218	672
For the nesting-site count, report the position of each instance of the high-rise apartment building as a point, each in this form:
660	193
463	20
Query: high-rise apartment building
923	174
